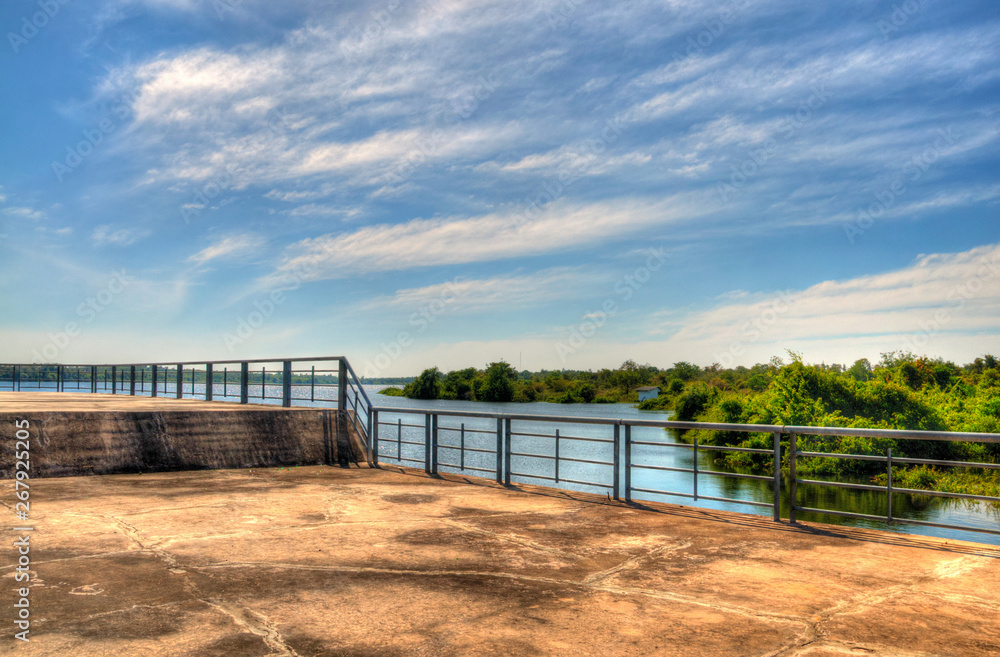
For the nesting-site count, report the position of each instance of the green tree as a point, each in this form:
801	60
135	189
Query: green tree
499	383
425	386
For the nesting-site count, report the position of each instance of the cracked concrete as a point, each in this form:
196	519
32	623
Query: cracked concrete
321	561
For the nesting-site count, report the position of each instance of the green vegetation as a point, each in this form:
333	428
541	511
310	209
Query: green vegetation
500	382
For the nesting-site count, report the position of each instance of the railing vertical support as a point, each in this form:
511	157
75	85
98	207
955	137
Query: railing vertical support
628	463
286	384
777	476
180	382
399	438
209	382
17	378
793	476
461	448
342	386
374	435
427	443
312	385
93	379
434	444
154	375
131	380
60	386
888	489
507	439
114	380
557	456
244	382
617	461
499	450
695	469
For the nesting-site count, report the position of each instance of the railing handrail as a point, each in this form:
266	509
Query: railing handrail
177	362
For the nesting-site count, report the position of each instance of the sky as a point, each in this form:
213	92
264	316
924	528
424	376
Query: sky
561	184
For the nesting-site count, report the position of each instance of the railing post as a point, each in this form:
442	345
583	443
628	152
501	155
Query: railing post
244	382
793	483
628	463
209	382
263	382
427	443
93	379
154	375
342	386
59	378
114	379
180	381
617	460
888	489
312	385
286	384
131	381
557	456
777	476
499	450
17	377
374	440
506	452
461	448
399	438
434	444
695	468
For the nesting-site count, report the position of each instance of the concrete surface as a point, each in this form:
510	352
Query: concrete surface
326	561
83	434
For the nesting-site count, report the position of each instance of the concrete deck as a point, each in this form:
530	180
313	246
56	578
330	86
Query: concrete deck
323	561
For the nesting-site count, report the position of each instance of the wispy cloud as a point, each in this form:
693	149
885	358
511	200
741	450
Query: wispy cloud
108	235
227	248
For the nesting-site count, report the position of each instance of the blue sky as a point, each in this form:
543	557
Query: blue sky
561	184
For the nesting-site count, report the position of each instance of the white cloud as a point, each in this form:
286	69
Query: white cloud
454	240
228	247
110	236
22	212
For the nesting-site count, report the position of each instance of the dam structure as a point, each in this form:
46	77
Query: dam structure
269	507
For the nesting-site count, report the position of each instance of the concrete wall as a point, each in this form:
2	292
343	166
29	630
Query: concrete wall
83	443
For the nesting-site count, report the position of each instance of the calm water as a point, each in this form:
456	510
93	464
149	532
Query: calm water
480	434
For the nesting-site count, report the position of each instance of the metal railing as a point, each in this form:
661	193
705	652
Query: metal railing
614	465
327	380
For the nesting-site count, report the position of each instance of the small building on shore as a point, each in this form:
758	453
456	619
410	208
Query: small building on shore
648	392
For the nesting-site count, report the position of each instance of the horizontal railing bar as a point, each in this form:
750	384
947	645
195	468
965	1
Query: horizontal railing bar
960	464
658	444
664	468
582	483
563	437
661	492
467	448
468	467
840	484
748	450
845	514
467	430
736	475
729	499
535	476
536	456
926	523
853	457
567	458
941	493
